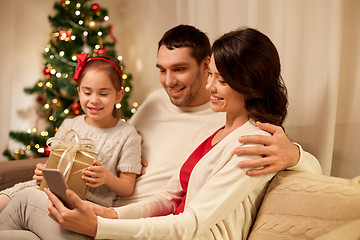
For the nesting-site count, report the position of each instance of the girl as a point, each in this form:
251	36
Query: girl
117	143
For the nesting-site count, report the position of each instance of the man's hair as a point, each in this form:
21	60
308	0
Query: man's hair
187	36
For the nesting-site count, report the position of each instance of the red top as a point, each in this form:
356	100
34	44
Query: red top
189	165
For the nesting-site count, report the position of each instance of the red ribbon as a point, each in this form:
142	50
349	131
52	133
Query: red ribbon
81	59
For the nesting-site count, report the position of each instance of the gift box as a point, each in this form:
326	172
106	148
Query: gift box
71	155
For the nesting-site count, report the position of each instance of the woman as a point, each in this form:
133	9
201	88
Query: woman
208	198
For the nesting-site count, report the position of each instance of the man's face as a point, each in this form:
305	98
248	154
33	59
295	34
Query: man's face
182	77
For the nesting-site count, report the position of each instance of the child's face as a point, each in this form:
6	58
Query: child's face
97	98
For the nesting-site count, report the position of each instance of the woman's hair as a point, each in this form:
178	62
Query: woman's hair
249	62
106	67
187	36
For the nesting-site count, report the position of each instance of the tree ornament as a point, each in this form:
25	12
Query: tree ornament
101	51
65	35
95	7
41	99
46	71
75	107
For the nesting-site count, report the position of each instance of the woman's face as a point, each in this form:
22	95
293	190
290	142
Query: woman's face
223	98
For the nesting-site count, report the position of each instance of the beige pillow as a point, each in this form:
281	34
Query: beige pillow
305	206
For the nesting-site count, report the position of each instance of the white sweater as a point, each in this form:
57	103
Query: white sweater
170	135
221	201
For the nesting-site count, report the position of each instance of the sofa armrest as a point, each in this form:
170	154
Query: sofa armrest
12	172
305	206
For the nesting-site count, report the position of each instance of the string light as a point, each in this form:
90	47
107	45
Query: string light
77	12
127	89
91	24
106	18
124	76
61	53
118	106
81	22
100	33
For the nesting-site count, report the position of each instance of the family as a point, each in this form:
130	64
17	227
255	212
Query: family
210	140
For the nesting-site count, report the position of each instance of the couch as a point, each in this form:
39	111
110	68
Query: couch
295	206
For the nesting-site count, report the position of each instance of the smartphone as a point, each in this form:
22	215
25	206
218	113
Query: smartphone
57	185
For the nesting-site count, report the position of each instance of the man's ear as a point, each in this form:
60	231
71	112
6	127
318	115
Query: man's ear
205	64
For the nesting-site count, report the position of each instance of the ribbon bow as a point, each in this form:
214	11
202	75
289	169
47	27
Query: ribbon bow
71	144
81	59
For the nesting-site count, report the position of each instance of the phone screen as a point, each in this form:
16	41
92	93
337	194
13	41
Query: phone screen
57	185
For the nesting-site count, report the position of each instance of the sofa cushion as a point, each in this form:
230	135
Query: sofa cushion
305	206
12	172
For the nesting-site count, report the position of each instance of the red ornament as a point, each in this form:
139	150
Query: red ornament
75	107
47	71
64	35
96	8
101	51
46	151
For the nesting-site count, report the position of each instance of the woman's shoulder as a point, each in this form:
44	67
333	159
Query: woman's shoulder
250	128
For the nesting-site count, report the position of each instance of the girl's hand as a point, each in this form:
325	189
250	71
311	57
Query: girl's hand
96	175
38	175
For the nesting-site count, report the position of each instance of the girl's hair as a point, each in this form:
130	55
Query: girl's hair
249	62
102	65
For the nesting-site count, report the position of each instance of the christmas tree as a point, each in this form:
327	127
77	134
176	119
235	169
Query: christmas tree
79	26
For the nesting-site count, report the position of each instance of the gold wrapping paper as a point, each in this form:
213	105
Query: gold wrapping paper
71	155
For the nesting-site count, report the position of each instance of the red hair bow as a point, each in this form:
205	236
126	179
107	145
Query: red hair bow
81	59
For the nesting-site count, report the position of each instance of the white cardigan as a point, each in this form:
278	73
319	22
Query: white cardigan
222	201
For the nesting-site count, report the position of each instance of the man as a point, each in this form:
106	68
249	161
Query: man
171	130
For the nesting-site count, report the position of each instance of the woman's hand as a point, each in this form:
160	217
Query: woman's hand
82	219
277	150
38	175
96	175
